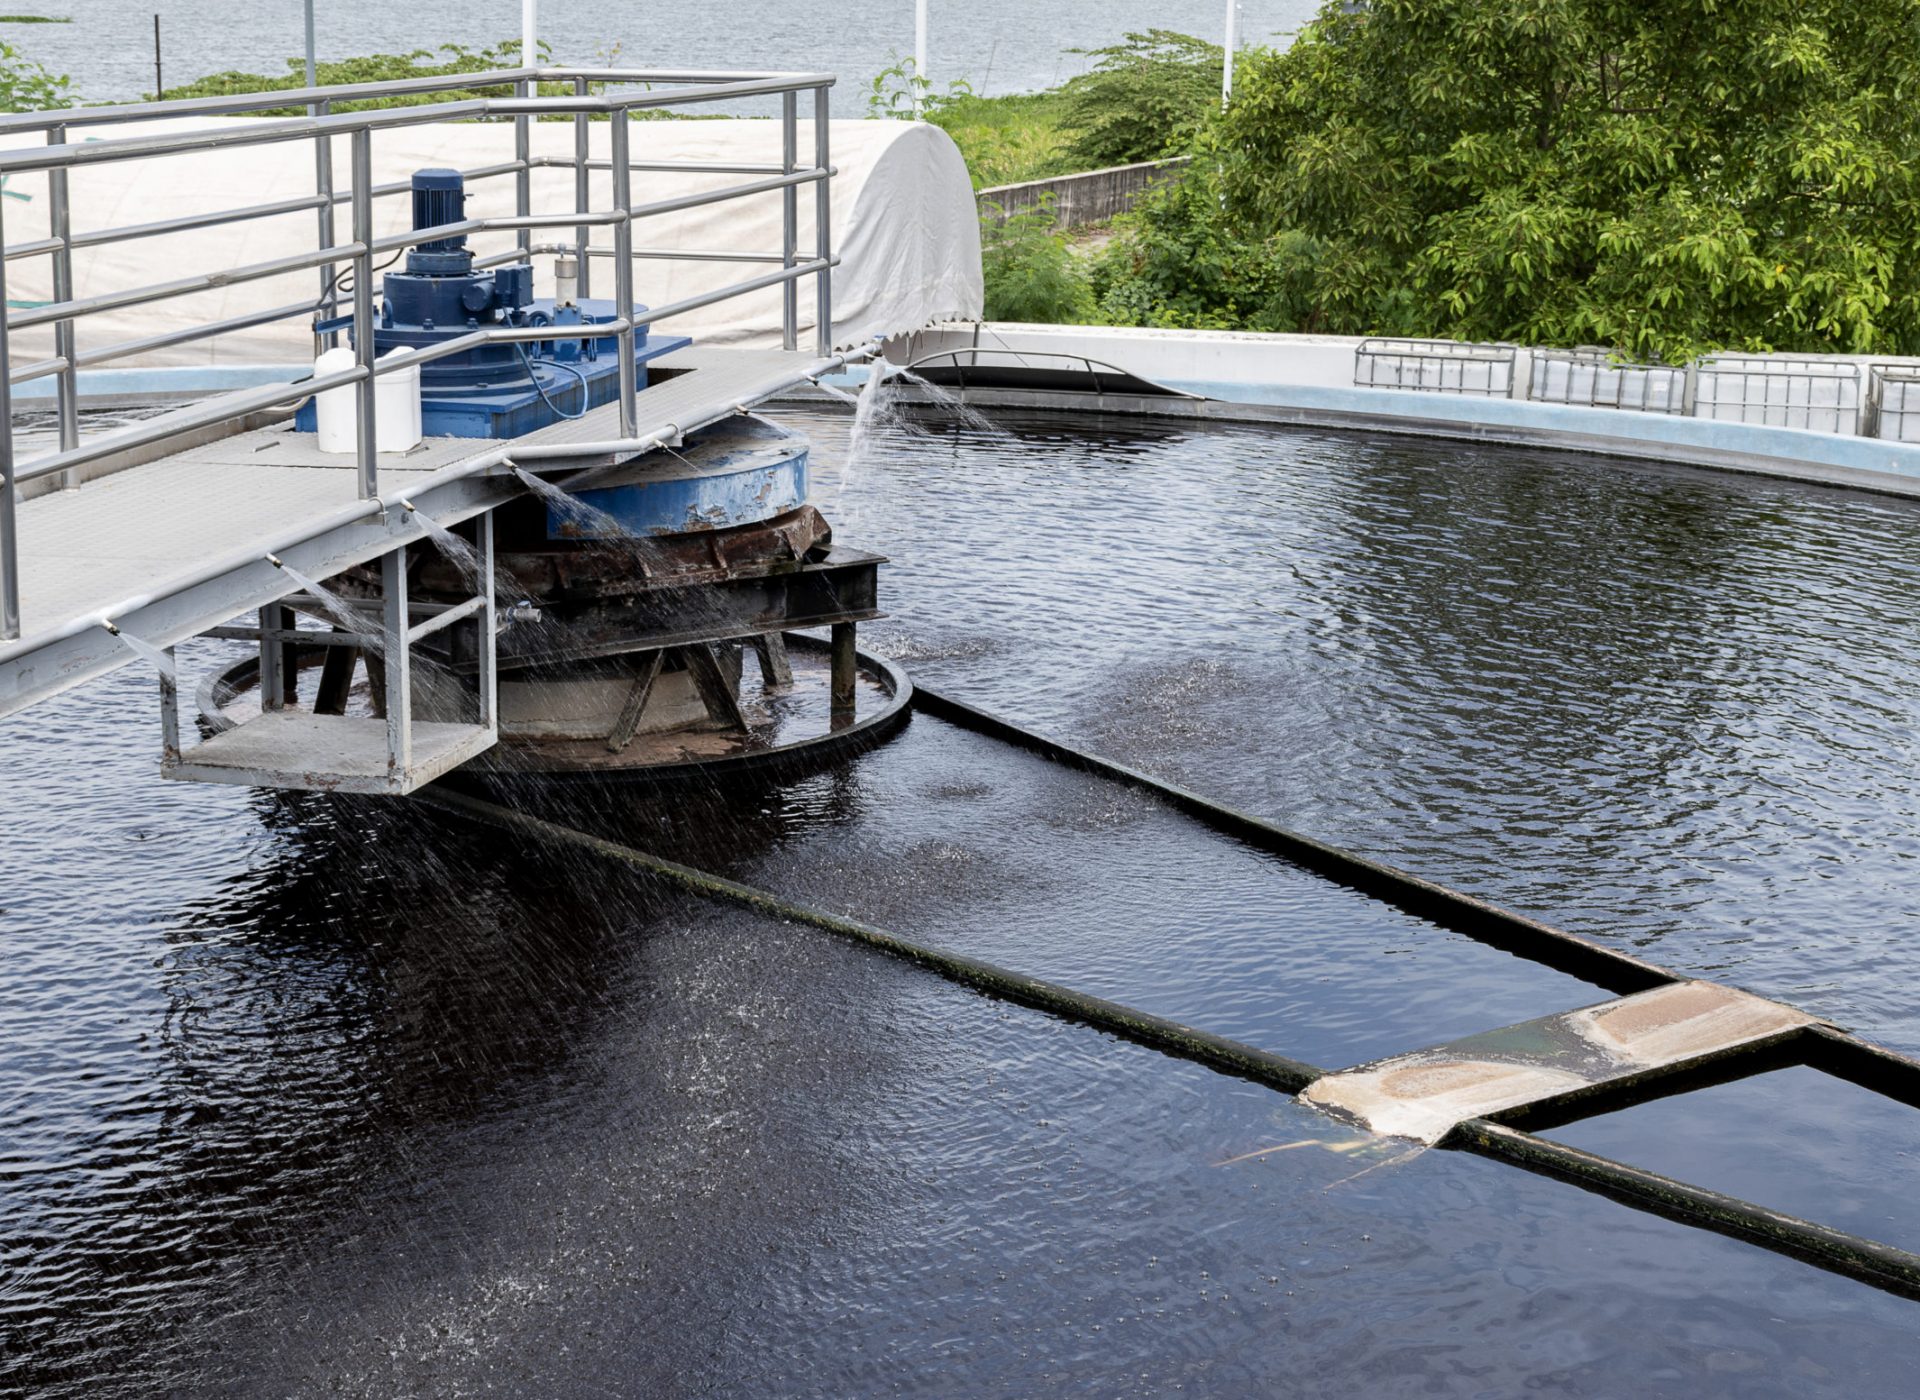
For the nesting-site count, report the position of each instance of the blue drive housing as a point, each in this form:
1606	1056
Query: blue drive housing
498	390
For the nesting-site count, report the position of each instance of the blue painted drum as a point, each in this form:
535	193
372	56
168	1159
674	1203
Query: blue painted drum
740	471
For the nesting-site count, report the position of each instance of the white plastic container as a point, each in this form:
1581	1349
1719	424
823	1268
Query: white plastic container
396	407
336	411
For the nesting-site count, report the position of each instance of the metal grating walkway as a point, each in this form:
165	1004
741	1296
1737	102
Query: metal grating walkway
137	545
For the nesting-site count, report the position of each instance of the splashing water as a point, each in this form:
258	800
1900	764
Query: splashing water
340	610
465	558
589	521
969	418
159	660
834	391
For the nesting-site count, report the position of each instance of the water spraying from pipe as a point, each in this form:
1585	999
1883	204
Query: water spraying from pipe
344	614
159	659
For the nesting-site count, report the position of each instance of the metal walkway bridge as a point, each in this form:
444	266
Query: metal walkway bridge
130	542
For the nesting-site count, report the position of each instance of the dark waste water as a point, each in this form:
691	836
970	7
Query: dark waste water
302	1096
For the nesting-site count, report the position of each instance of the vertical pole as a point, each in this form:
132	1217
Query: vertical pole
65	343
823	219
393	589
169	713
9	540
159	83
363	326
919	57
790	219
529	33
323	187
523	156
583	186
1232	44
623	269
489	631
313	71
273	657
842	663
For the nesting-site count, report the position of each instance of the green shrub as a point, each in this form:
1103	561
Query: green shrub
1144	98
1032	272
26	86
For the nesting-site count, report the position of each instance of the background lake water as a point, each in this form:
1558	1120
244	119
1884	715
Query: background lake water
302	1096
997	45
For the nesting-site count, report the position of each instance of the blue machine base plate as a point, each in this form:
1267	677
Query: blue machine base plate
512	413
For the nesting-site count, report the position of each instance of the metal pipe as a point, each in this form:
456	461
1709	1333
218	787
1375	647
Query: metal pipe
38	369
679	255
771	279
411	237
789	218
208	331
489	632
324	194
623	298
222	408
66	388
229	103
582	183
823	221
687	167
363	326
727	192
399	669
523	140
9	492
185	286
446	618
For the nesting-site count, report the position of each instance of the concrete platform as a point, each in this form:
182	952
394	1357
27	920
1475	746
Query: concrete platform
1425	1094
326	753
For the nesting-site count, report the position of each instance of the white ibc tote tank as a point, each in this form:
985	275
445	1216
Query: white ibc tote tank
396	407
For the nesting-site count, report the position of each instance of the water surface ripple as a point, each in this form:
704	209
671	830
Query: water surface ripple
323	1097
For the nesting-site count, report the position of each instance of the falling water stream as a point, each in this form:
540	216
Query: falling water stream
153	655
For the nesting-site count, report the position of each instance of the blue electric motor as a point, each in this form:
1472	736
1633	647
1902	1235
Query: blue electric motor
499	390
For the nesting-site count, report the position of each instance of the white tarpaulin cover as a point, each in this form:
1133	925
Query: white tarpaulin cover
904	226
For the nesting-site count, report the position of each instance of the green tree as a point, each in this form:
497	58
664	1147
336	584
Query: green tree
1660	178
1142	98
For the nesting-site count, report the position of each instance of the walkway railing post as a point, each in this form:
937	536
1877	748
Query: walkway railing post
790	219
623	269
363	324
323	188
399	667
9	539
523	154
823	218
583	186
65	343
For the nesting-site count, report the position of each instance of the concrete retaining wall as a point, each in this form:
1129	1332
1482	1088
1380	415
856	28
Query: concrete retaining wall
1080	201
1308	381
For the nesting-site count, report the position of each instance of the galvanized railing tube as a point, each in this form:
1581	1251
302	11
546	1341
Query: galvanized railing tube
323	191
823	219
623	271
66	384
9	537
363	324
523	156
789	219
582	186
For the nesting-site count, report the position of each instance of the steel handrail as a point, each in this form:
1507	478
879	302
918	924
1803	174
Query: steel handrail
321	125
